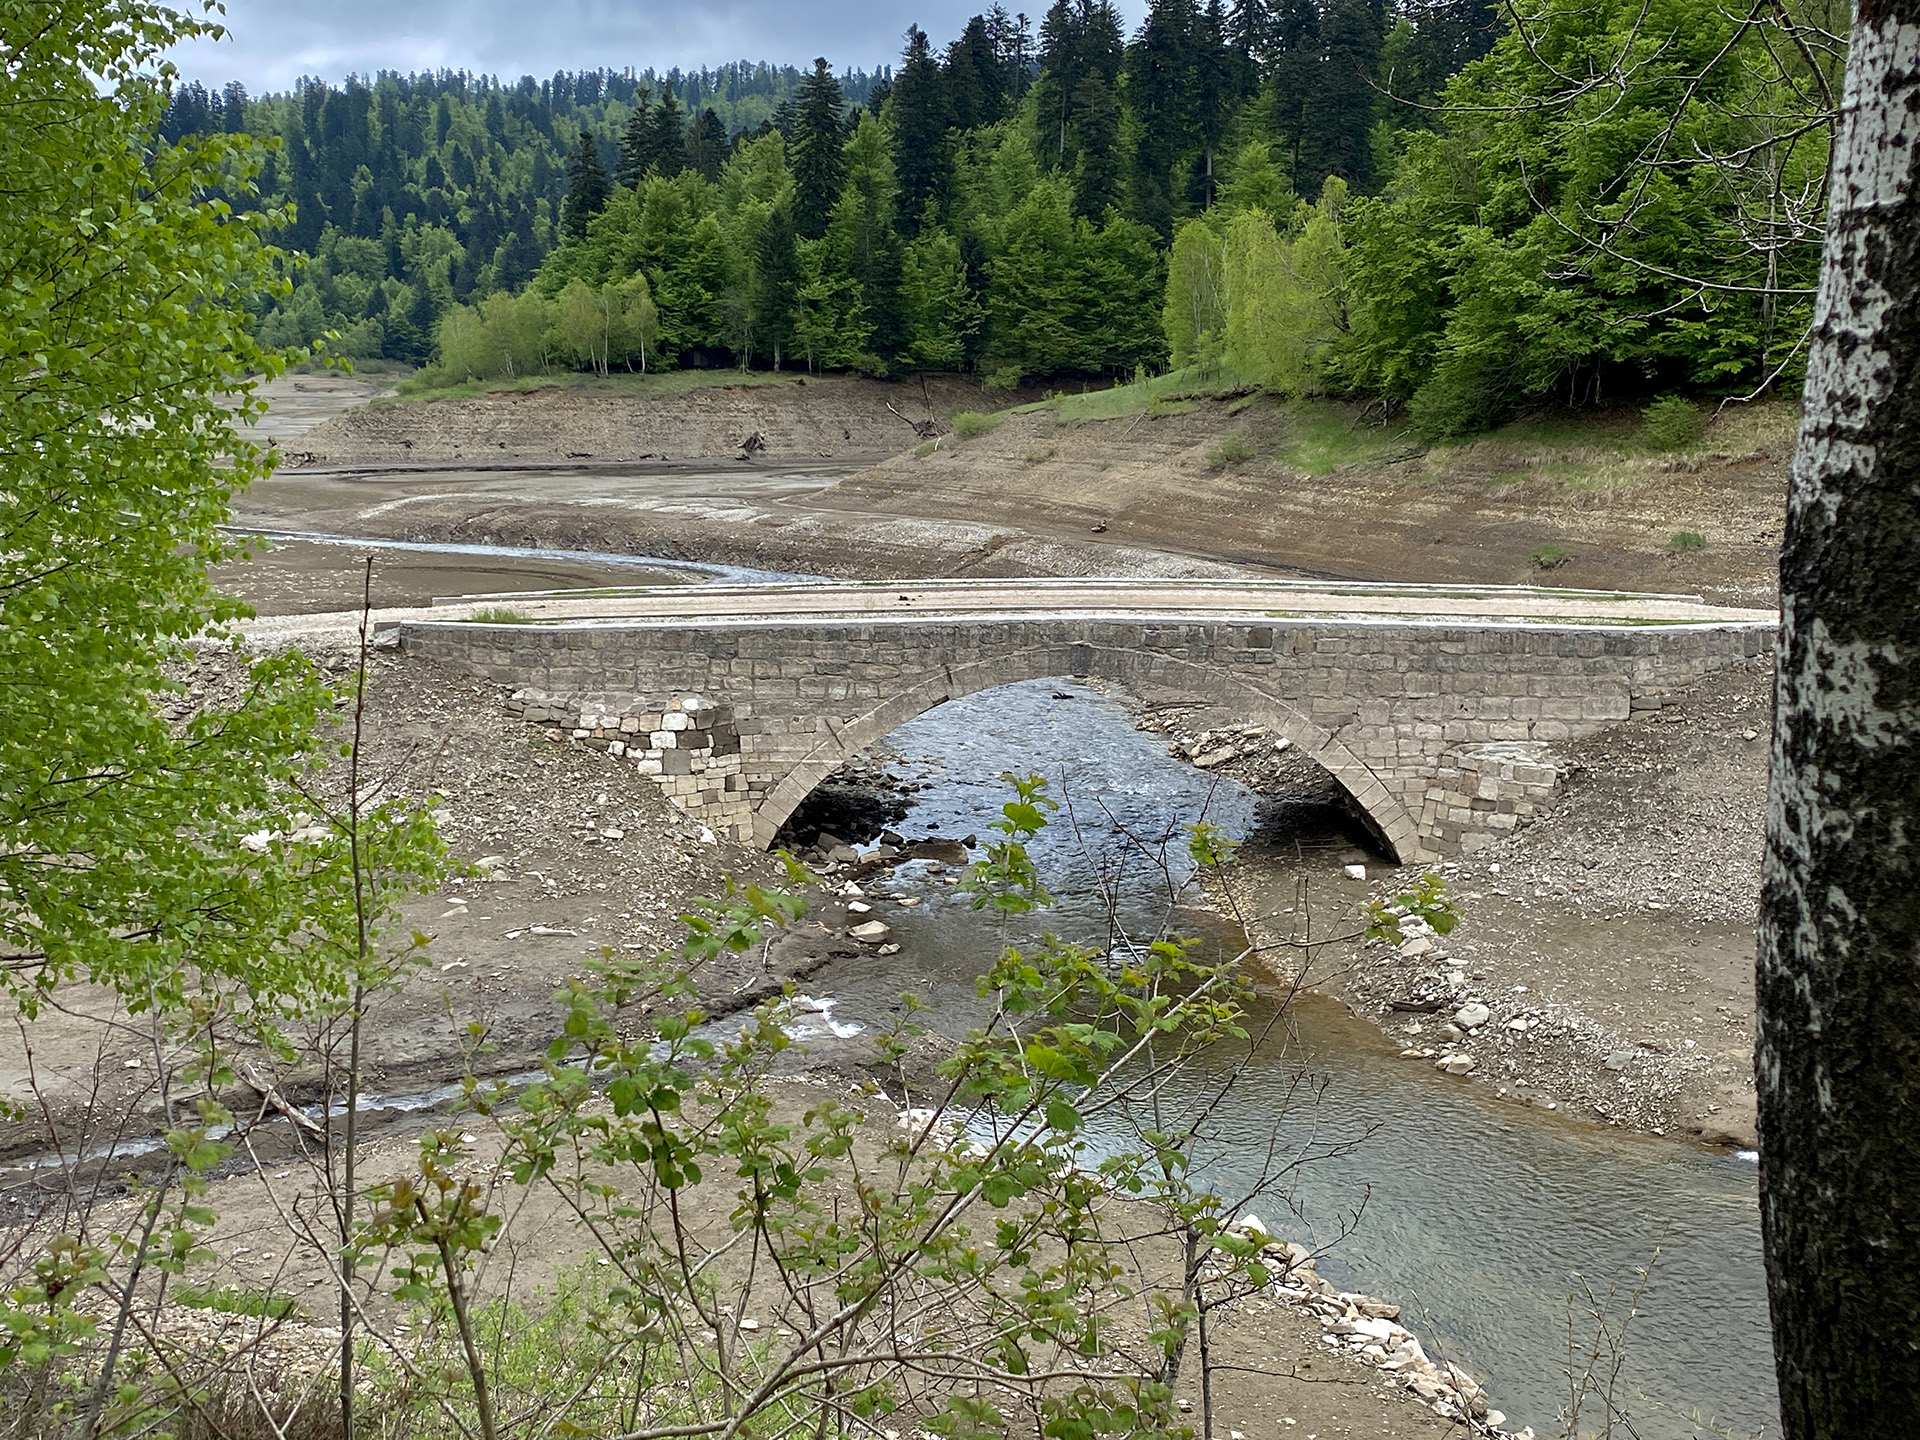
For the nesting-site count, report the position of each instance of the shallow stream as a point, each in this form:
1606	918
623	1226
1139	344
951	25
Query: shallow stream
1485	1220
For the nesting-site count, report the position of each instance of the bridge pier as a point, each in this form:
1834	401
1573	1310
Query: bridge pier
1434	727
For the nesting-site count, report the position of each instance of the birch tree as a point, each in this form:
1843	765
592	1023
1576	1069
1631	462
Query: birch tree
1838	1060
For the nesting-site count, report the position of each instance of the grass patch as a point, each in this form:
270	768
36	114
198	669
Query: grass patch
1236	449
1549	557
970	423
925	448
1159	395
499	615
1330	436
1684	540
1039	457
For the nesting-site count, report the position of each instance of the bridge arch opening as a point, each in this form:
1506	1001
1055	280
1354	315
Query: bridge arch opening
1150	677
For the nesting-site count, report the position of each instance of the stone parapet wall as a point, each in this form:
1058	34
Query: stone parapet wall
1393	709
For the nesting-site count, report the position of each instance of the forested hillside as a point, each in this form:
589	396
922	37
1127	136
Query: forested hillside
1451	205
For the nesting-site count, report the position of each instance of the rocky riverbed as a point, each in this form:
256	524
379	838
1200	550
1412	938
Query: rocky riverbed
1609	941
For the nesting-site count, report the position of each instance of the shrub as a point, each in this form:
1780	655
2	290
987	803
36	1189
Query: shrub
1673	422
1687	540
1550	557
1236	449
499	615
969	423
1459	398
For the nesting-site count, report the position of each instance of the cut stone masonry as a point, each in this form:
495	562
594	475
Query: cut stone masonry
1440	730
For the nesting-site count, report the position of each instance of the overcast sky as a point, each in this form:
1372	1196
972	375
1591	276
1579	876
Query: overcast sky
275	42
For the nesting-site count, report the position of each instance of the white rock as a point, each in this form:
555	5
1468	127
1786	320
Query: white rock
1418	945
871	933
1472	1017
858	907
1356	872
1455	1064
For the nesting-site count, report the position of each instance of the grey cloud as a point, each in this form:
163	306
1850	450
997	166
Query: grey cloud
273	42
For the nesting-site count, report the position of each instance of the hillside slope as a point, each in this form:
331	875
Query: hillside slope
631	418
1254	482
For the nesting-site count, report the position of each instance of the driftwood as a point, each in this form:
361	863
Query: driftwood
928	429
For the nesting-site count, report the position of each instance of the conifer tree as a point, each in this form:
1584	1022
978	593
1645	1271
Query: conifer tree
1161	91
818	135
976	77
1340	110
776	284
918	113
707	146
637	156
669	124
1096	123
587	187
1294	34
1012	38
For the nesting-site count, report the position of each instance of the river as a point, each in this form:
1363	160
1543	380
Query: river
1485	1220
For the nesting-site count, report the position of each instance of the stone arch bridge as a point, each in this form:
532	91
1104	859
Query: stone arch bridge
1434	706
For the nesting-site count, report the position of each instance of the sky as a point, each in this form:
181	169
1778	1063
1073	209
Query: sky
274	42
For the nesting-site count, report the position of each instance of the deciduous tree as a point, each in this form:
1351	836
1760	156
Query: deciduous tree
1838	1062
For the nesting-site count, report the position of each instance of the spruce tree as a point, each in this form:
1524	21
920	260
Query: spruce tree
776	284
1294	34
918	110
669	124
588	187
818	167
637	156
976	77
1160	87
707	145
1096	123
1338	137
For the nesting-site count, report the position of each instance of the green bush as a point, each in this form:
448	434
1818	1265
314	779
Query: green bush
1236	449
1687	540
498	615
1673	422
1460	398
969	423
1550	557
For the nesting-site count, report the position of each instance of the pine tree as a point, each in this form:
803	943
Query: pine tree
818	167
918	113
588	187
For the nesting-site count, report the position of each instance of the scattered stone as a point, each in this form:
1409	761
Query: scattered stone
1472	1017
1618	1059
1456	1064
872	932
1356	872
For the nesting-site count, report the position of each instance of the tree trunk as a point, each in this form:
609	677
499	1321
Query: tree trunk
1838	1059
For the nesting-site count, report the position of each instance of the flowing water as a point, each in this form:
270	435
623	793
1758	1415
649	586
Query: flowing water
1481	1218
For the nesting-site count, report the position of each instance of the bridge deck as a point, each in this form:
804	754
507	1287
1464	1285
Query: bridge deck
1188	600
